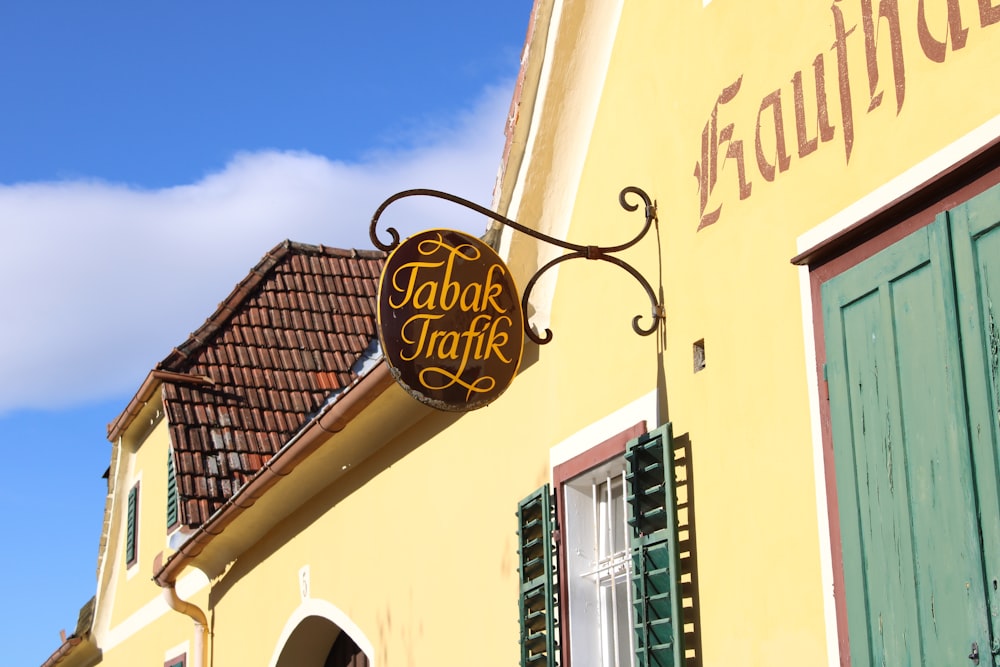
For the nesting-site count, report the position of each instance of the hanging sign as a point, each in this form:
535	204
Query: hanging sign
449	320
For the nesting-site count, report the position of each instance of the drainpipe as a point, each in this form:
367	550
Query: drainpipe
199	645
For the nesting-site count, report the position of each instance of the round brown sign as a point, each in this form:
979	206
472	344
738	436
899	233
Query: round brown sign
449	318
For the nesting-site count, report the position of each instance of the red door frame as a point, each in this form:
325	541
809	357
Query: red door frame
901	217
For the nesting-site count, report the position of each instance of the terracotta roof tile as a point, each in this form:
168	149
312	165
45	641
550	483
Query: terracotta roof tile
285	338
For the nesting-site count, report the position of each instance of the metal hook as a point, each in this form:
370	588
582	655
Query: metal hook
597	253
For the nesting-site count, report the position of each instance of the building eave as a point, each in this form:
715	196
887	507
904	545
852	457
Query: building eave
145	392
76	651
232	528
522	105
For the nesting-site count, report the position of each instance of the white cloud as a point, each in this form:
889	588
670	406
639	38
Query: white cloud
99	281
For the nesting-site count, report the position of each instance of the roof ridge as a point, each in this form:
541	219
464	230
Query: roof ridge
185	353
245	288
353	253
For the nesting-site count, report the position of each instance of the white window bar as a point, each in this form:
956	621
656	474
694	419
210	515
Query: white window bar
628	568
598	538
613	584
612	564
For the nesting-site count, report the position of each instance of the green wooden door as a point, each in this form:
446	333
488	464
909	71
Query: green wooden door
975	236
914	571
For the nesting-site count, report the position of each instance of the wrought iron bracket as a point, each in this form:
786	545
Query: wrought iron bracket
602	253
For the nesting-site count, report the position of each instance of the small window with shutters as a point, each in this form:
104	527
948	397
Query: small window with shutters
132	527
599	562
172	514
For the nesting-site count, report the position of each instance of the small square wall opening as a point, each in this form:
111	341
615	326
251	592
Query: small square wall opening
699	355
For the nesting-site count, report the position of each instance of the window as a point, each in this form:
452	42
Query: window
171	490
132	527
179	661
598	566
598	560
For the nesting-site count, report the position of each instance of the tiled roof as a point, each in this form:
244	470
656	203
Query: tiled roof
275	350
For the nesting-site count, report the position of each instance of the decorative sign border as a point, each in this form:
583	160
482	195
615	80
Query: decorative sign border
450	320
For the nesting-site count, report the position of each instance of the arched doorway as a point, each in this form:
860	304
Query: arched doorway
317	641
345	653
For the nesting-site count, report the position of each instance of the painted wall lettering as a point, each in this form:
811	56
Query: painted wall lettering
712	139
772	106
824	130
939	27
843	79
934	48
988	13
888	16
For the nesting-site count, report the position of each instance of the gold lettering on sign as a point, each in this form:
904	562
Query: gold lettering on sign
432	298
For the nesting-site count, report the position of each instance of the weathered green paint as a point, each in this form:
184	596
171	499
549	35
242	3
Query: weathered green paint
656	589
652	500
911	473
975	236
536	569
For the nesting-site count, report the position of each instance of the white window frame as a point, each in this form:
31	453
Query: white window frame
598	567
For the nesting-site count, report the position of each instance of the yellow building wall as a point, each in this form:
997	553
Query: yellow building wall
166	637
417	545
148	464
142	629
731	283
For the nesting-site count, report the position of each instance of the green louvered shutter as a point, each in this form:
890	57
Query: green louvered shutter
131	529
537	579
655	572
171	491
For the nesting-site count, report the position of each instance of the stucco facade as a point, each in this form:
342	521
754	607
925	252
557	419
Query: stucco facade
783	143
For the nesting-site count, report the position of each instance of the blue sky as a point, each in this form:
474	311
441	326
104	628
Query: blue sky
150	154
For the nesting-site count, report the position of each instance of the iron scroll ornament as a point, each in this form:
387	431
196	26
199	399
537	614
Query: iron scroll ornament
603	253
